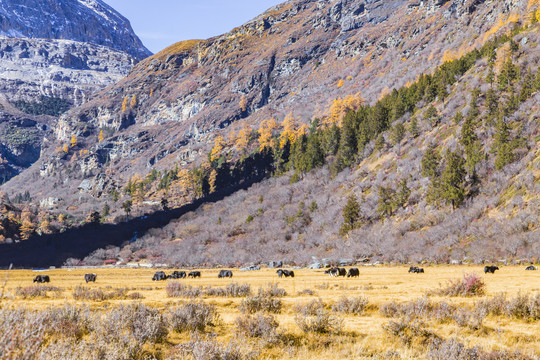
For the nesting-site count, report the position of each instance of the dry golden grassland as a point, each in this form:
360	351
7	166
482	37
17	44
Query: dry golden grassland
361	336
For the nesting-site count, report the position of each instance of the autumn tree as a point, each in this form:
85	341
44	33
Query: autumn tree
243	103
289	130
101	136
266	133
243	139
73	141
219	143
125	104
27	230
133	103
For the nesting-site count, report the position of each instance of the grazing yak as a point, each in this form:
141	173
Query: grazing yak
532	267
335	271
490	269
194	274
416	270
353	272
90	278
225	274
42	279
178	275
285	273
159	276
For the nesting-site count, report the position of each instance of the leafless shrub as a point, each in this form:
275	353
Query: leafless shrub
306	292
469	319
262	326
525	307
311	308
21	332
452	349
253	304
413	309
177	289
272	290
313	317
29	292
209	349
231	290
322	286
143	323
410	331
470	285
193	316
67	320
98	294
353	305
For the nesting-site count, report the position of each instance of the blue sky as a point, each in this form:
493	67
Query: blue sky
160	23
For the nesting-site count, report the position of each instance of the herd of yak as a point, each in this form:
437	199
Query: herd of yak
335	272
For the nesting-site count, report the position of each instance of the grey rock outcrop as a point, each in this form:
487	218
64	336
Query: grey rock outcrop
90	21
30	68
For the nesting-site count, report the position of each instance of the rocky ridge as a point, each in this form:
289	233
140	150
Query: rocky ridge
87	21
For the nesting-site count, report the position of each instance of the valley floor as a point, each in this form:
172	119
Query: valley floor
385	313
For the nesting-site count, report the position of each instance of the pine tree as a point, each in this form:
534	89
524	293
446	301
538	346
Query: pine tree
430	161
402	196
432	115
127	206
106	211
492	101
527	86
351	215
509	73
490	77
398	133
458	118
452	188
385	206
413	129
502	145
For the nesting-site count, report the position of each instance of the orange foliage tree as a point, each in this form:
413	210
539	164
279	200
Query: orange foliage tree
266	132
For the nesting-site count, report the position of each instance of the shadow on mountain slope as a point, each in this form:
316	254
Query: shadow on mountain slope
55	249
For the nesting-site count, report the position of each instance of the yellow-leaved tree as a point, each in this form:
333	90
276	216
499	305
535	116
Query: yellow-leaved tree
289	130
125	104
266	133
73	141
341	106
133	103
243	103
219	143
242	141
101	136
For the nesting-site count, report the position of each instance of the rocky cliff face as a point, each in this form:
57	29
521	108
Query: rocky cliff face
88	21
60	51
30	68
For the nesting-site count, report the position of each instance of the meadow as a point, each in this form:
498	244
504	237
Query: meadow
386	313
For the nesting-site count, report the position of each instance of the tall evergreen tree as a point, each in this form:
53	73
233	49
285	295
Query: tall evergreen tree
452	187
351	215
385	206
431	161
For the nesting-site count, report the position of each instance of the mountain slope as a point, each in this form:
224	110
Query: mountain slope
90	21
204	106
